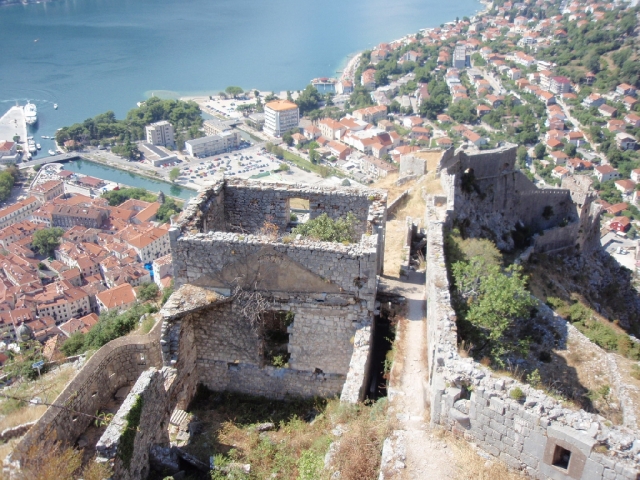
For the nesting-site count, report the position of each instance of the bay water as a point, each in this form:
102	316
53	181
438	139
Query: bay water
90	56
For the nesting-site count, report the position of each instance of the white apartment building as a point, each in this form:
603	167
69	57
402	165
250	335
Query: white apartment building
280	116
160	133
151	244
213	144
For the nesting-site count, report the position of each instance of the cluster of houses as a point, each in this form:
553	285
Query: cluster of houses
103	255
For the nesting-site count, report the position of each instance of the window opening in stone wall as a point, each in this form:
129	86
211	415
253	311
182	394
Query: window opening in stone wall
276	337
561	457
298	210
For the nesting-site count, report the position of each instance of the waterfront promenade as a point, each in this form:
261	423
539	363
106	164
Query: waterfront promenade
13	123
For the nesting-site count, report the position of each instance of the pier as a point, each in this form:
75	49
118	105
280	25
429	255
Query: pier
13	123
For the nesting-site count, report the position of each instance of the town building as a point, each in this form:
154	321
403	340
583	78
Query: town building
47	191
160	133
371	114
606	172
19	211
8	152
280	116
117	298
212	144
460	57
67	216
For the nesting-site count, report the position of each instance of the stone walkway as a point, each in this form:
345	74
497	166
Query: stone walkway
417	452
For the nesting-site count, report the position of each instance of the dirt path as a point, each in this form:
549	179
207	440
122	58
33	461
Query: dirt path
426	456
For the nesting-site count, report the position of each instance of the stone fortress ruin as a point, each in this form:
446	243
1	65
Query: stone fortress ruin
256	310
263	312
486	197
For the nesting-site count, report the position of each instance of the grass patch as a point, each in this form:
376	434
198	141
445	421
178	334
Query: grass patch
295	447
321	170
587	322
16	411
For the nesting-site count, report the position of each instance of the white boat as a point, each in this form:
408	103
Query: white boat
38	146
51	152
30	113
31	145
55	106
46	136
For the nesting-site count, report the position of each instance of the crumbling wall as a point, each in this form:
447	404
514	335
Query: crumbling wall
126	442
244	206
412	165
531	434
220	260
490	199
115	365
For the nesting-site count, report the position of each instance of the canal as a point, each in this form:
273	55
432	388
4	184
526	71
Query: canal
105	172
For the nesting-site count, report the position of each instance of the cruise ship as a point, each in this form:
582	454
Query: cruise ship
30	113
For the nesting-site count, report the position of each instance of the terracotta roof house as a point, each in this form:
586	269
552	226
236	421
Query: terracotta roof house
116	298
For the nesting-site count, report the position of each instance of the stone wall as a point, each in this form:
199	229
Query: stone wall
532	434
489	198
244	206
225	352
412	165
115	365
152	389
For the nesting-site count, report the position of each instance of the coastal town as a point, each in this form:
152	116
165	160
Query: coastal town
556	80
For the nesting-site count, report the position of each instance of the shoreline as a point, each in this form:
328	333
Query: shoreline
486	4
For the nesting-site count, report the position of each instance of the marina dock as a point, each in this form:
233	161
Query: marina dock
13	123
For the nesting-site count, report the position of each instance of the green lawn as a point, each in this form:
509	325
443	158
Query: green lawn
321	170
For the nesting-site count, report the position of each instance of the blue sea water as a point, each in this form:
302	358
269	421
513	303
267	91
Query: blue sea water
89	56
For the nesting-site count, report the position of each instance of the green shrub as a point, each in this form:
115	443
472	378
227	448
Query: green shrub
310	465
635	371
127	439
328	230
534	379
517	394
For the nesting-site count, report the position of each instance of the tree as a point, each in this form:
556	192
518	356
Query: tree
233	91
283	167
287	138
539	151
148	291
47	240
346	183
570	149
308	100
167	210
174	173
16	138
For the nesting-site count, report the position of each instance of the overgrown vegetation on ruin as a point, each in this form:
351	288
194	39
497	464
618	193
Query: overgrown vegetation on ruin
327	229
296	446
488	298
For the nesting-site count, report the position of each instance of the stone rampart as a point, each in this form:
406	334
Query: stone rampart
537	433
115	365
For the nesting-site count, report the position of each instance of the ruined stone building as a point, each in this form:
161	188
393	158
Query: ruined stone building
316	295
256	310
489	197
